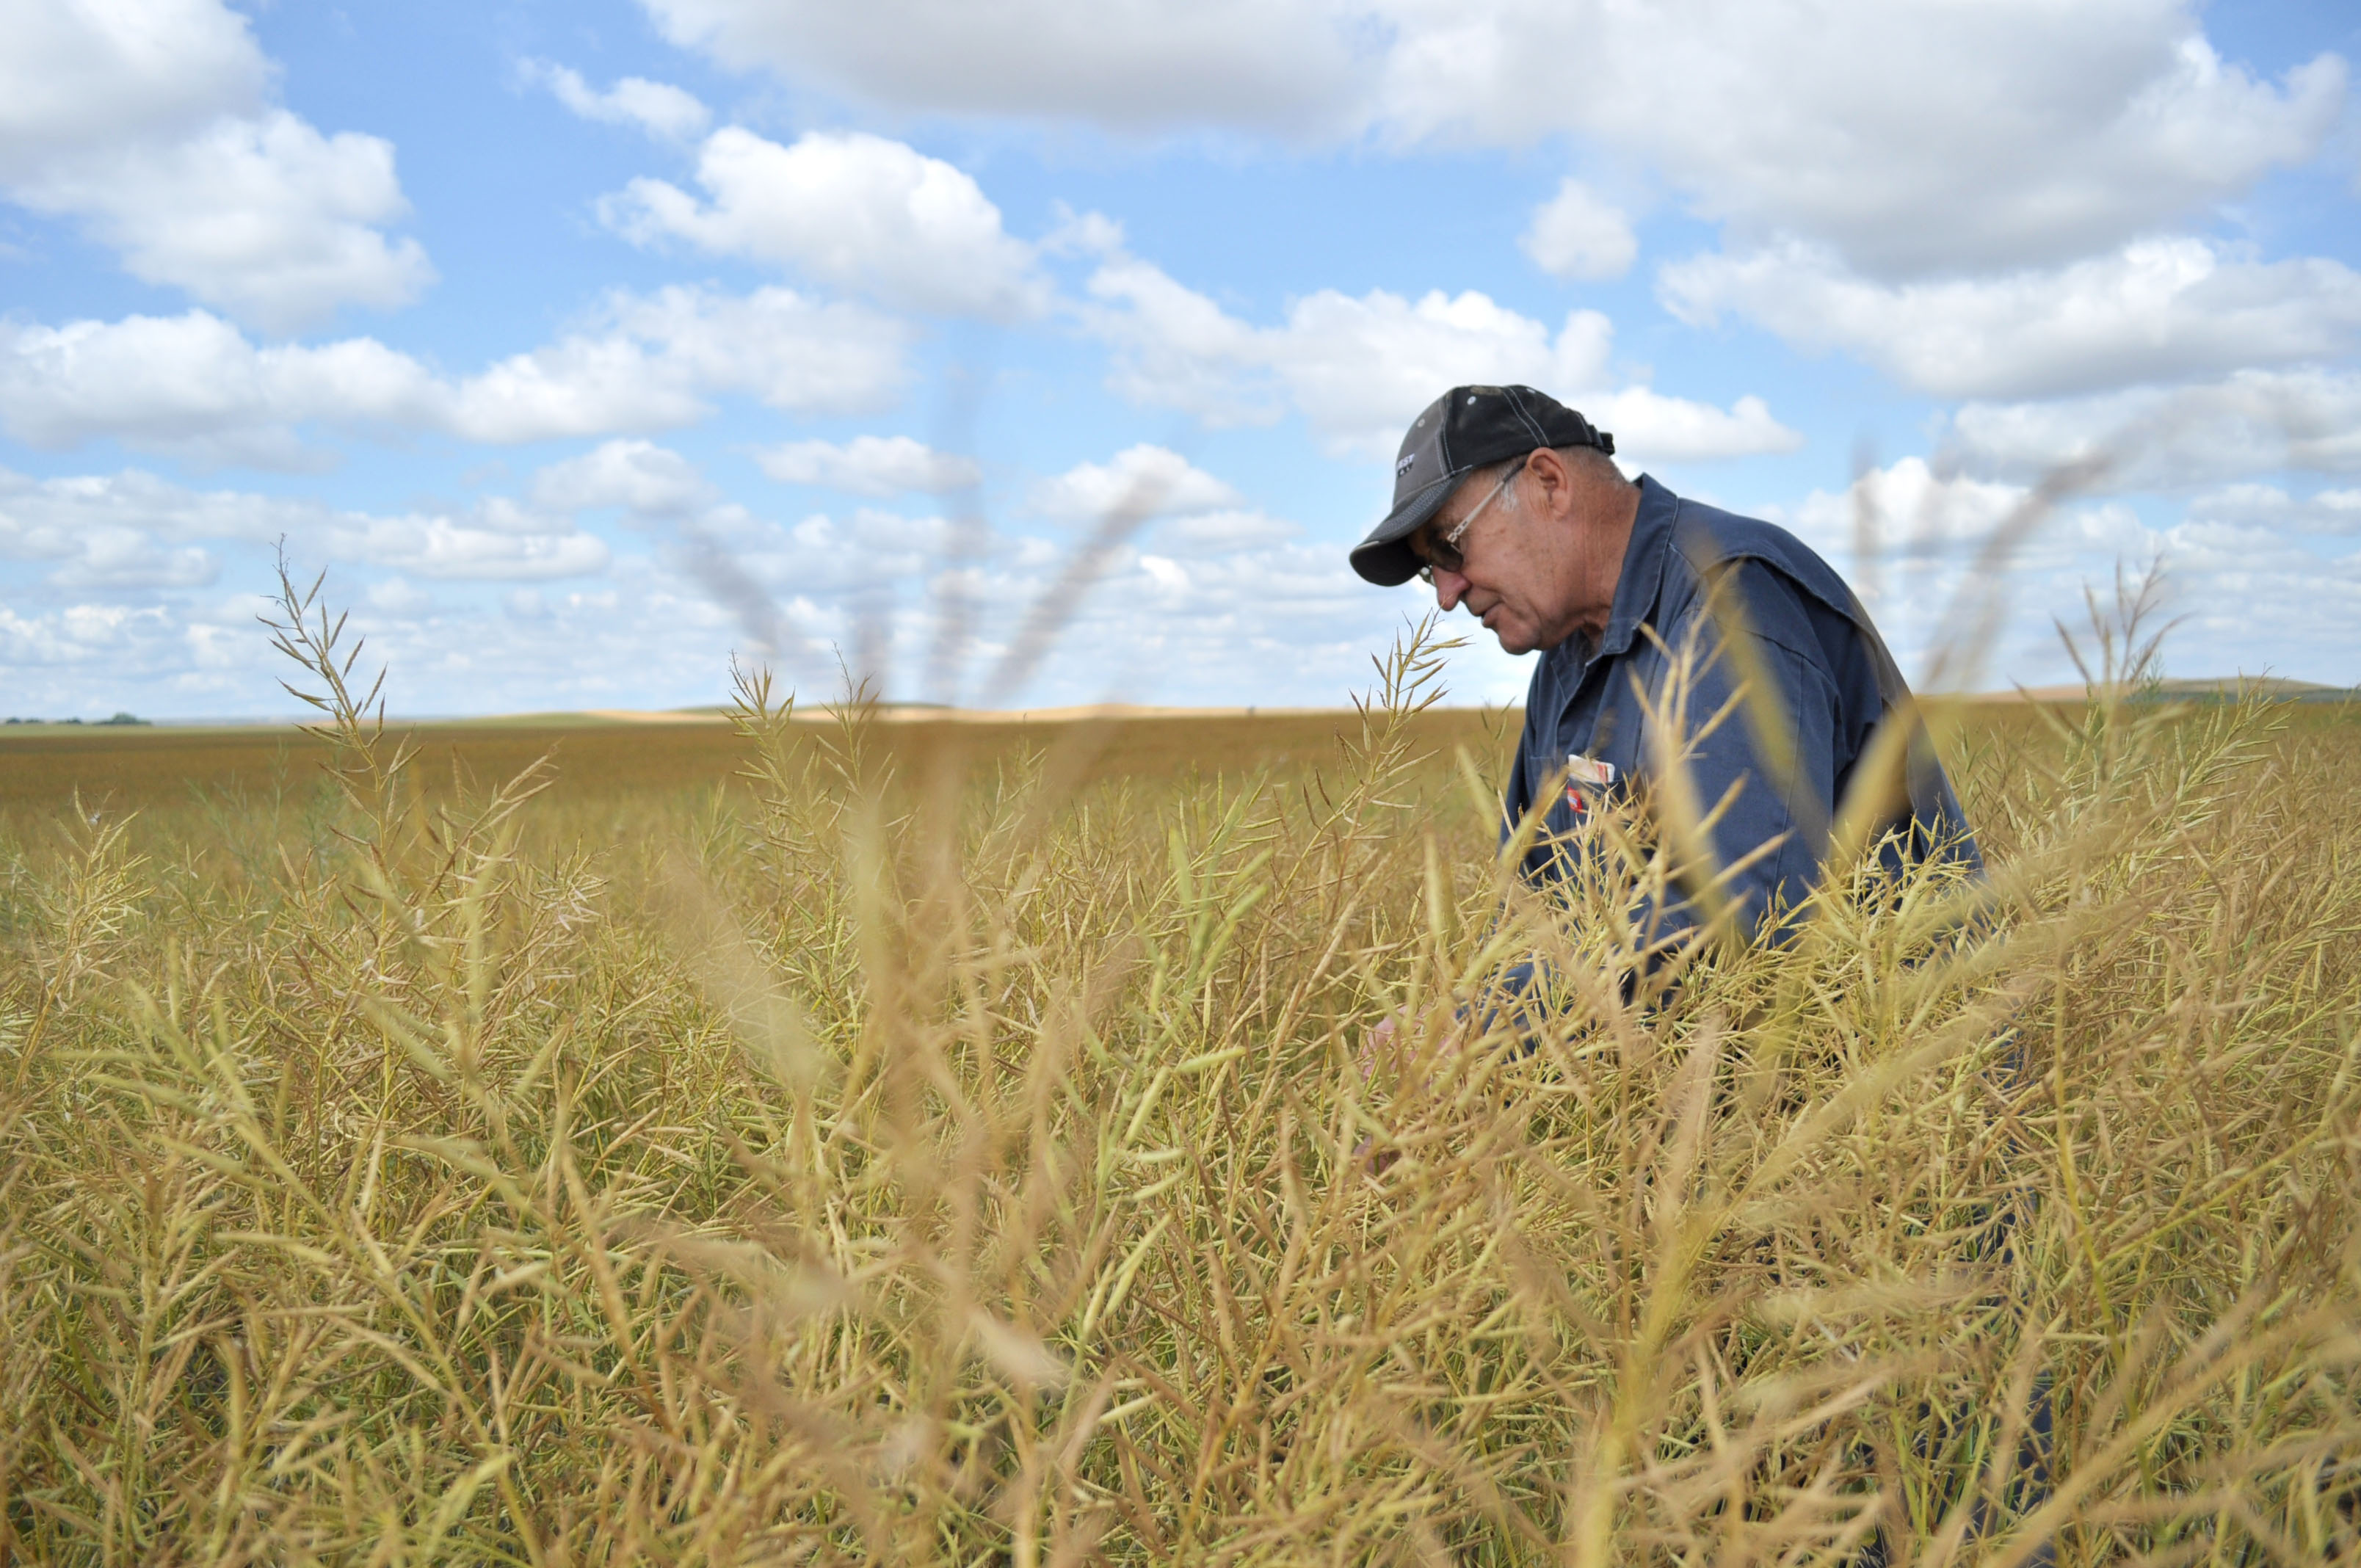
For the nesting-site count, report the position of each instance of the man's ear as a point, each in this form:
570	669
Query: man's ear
1556	478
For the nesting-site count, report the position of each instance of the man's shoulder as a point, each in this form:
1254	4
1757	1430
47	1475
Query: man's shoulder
1705	536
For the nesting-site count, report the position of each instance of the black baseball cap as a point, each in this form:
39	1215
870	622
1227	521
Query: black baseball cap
1466	429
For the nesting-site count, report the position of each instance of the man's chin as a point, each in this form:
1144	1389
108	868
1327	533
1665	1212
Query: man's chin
1522	640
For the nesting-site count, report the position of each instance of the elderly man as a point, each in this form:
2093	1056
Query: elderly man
1512	507
1511	503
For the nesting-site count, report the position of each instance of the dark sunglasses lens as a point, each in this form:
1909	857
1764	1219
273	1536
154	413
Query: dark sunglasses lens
1433	550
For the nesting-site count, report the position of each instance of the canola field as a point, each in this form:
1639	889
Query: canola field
853	1139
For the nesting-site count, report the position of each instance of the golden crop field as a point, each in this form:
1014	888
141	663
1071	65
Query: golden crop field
888	1141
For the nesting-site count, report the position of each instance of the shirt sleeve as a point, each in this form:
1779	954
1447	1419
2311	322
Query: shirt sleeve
1767	763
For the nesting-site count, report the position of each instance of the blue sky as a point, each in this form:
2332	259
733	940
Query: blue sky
584	346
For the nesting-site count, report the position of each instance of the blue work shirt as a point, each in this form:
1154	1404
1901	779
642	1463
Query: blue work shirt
1835	681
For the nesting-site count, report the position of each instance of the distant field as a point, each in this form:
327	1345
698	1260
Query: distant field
163	764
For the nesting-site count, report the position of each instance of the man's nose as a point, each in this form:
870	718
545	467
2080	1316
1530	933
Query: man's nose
1450	588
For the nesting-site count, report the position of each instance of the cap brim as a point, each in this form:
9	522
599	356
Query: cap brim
1385	557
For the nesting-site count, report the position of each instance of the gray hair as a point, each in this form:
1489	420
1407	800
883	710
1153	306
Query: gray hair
1598	465
1588	462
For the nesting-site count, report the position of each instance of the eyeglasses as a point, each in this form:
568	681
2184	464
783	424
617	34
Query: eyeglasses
1445	551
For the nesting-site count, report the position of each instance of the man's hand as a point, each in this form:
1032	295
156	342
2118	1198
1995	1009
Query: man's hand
1379	1045
1387	1046
1389	1043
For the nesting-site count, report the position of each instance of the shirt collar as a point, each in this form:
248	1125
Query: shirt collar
1643	567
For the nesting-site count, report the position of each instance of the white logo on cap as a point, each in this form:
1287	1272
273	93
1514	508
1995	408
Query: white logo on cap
1403	466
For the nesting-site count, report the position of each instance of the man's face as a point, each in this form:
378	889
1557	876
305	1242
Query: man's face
1516	573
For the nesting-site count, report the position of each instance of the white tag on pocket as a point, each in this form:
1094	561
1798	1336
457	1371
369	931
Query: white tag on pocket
1588	781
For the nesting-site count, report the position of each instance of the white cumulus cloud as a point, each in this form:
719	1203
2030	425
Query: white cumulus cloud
1910	138
133	530
147	123
1226	532
1910	508
1360	367
1968	576
1176	348
845	208
103	639
1647	425
2155	309
658	108
869	465
264	217
2173	438
1134	64
2329	512
196	385
435	546
76	78
1920	540
1579	236
399	596
98	532
649	361
40	519
637	476
1148	480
